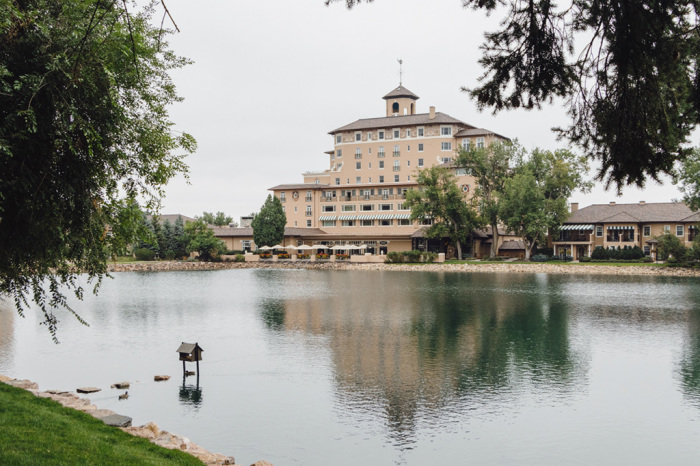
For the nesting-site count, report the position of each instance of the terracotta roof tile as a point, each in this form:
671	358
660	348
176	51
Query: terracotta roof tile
648	212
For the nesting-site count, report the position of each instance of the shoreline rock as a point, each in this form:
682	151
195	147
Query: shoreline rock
535	267
149	431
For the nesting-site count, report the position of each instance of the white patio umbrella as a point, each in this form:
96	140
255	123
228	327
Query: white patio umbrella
339	248
353	247
277	246
304	247
364	246
291	247
265	248
319	246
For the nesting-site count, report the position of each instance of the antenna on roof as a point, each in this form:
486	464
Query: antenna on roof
400	71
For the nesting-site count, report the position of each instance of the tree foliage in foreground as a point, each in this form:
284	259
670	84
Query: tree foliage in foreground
84	132
268	224
535	197
628	71
440	199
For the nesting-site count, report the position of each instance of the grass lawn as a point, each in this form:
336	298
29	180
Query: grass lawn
40	431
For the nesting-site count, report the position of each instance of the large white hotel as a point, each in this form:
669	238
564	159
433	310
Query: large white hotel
359	198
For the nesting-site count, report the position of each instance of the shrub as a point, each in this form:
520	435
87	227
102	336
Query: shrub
670	245
584	259
539	258
169	255
408	257
144	254
394	258
342	257
240	258
599	253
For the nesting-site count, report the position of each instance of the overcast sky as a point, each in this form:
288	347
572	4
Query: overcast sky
271	78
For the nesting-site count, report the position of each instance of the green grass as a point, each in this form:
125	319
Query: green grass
40	431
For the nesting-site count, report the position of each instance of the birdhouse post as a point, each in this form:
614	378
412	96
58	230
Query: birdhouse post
190	352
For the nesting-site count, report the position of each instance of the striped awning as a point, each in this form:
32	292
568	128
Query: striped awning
403	216
346	217
327	217
576	227
624	227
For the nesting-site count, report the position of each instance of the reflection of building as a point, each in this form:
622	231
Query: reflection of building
359	199
620	225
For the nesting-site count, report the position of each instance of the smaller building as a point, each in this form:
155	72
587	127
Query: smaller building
618	225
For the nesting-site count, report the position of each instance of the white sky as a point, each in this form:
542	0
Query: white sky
271	78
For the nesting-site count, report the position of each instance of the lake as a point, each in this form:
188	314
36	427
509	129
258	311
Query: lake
316	367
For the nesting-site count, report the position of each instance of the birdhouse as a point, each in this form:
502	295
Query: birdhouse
190	352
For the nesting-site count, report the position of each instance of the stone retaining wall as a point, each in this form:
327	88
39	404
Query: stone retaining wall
535	267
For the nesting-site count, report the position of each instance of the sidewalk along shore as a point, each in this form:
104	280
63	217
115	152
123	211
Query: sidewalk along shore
535	267
148	431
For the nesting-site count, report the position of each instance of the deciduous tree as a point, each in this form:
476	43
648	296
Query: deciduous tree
440	199
201	239
268	224
84	132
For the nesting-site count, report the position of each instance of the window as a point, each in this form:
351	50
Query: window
370	165
401	207
421	132
445	146
337	181
446	130
420	162
446	159
381	152
283	196
408	178
396	151
408	133
327	208
381	164
358	165
380	134
408	148
338	138
367	207
679	230
308	224
295	209
427	221
404	222
420	147
396	178
369	136
667	229
385	223
397	165
366	223
358	136
358	179
599	231
327	223
317	181
348	223
349	208
647	230
408	163
339	153
245	245
284	208
480	142
358	153
385	207
396	134
308	211
332	156
381	178
466	142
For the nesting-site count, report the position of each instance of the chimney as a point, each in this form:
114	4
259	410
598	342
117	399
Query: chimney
612	202
432	113
574	207
642	203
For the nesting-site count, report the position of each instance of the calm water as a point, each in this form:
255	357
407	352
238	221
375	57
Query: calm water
381	368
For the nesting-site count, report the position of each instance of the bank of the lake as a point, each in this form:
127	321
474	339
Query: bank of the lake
484	267
38	430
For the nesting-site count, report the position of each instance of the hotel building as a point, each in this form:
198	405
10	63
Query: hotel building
359	198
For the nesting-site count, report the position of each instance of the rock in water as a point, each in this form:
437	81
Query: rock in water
88	390
117	420
120	385
161	378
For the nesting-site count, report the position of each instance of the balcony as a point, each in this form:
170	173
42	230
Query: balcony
396	153
380	155
397	168
358	156
308	198
308	213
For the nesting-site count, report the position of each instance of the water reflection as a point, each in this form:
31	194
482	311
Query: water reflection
431	346
191	395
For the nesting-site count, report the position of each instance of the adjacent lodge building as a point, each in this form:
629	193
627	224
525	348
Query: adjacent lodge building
619	225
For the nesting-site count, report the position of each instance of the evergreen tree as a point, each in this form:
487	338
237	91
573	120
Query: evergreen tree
168	241
268	224
179	244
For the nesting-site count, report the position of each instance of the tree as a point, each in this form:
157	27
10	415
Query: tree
534	199
220	219
440	199
179	240
84	132
200	238
670	246
268	224
689	180
490	166
632	88
167	250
